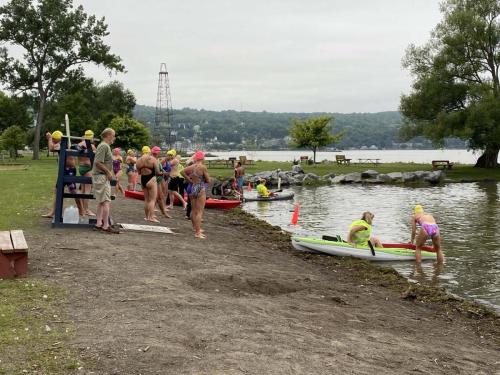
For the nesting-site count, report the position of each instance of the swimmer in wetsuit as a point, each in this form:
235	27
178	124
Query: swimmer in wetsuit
147	166
428	229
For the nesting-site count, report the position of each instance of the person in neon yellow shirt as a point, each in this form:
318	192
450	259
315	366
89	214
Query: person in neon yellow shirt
262	189
360	232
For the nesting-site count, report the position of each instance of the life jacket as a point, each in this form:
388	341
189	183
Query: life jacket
361	237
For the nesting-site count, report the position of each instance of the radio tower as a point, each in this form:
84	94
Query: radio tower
163	115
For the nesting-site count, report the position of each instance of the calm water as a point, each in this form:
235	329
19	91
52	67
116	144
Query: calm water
468	215
385	156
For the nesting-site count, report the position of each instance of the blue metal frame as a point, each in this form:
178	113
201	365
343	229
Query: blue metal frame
62	180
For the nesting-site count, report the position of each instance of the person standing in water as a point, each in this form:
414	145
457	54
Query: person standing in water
197	176
428	229
148	169
239	173
360	232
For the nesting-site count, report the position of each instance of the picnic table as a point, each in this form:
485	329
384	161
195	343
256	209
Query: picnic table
374	161
226	163
441	164
342	160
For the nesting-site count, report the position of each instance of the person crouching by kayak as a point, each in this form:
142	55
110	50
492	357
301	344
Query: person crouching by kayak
428	229
360	232
262	189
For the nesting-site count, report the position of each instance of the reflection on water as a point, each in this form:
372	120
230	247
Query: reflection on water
468	215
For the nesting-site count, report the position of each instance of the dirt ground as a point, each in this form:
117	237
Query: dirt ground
243	302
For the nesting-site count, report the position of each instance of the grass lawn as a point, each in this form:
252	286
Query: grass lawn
26	193
32	332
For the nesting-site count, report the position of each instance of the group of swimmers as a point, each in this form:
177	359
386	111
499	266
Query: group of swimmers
162	179
360	233
165	179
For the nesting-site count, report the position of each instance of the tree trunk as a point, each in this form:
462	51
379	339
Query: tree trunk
314	155
489	159
38	127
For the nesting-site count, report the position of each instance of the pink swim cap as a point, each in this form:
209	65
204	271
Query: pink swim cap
117	150
155	150
199	155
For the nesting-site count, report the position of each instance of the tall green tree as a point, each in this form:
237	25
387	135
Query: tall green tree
130	133
313	133
13	111
13	138
456	90
56	39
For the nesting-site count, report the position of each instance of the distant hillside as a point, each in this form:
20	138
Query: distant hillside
267	130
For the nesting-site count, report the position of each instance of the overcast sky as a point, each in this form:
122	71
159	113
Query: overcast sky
272	55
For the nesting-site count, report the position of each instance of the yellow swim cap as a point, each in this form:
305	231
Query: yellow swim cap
89	134
172	152
57	135
418	209
146	150
130	151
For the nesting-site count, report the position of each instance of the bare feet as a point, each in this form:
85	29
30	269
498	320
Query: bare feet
200	235
50	215
90	213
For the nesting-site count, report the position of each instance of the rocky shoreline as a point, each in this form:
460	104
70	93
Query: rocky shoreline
297	176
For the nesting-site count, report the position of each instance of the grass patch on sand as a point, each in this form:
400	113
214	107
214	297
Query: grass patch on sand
457	173
33	334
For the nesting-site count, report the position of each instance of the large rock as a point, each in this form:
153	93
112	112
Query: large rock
329	176
410	177
384	178
310	177
370	173
352	177
297	169
434	177
395	176
338	179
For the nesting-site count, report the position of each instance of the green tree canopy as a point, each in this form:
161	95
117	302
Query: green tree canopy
13	112
13	138
56	39
88	105
313	133
130	133
456	89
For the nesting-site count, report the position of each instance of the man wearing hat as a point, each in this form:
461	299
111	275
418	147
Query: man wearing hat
85	169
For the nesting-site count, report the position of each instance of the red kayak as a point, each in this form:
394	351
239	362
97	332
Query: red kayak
221	204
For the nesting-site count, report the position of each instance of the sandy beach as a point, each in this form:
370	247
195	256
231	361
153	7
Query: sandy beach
244	302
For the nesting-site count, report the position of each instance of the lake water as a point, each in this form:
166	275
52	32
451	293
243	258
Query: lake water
466	213
385	156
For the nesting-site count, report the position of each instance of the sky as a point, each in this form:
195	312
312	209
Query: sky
267	55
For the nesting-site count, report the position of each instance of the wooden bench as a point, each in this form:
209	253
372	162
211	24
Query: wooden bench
245	161
373	161
441	164
13	254
341	160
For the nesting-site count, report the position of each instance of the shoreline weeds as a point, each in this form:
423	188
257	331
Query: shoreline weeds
410	290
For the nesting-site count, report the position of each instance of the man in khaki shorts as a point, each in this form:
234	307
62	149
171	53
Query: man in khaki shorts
101	177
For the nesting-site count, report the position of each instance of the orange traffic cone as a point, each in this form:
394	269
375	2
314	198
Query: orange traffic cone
295	216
